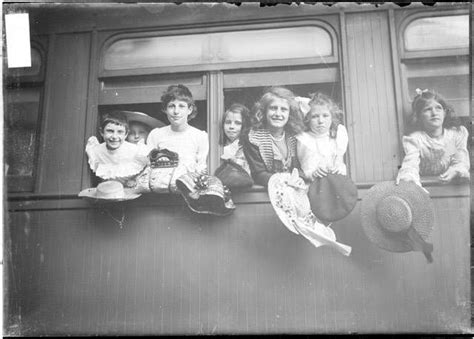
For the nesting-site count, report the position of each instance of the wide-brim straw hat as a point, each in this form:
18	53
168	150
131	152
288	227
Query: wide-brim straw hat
205	194
390	211
143	118
332	197
109	191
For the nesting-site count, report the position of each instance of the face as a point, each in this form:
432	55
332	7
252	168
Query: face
321	120
114	135
137	132
232	125
177	112
432	115
277	114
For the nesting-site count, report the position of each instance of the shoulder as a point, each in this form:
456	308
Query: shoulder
257	136
341	129
197	132
159	131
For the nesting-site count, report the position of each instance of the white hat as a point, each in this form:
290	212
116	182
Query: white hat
143	118
109	191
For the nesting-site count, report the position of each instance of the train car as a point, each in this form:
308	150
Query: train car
151	266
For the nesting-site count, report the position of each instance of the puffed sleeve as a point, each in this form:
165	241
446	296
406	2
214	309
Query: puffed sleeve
91	147
259	172
342	140
460	160
202	153
410	169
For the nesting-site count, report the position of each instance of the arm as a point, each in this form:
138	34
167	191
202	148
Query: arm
303	159
342	140
259	172
460	163
202	152
410	169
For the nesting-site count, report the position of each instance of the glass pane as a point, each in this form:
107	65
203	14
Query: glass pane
28	71
438	33
21	122
210	48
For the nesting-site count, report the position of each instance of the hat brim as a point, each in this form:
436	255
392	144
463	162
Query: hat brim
208	203
279	193
91	194
422	214
144	119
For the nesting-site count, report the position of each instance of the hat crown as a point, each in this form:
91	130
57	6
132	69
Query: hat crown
110	190
394	214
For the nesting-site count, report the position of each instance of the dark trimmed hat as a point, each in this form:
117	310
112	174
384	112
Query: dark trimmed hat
398	218
332	197
205	194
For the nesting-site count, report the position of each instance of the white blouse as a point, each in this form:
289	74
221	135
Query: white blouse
126	161
234	151
322	150
427	156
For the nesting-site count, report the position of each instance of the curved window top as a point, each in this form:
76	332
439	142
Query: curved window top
216	48
435	33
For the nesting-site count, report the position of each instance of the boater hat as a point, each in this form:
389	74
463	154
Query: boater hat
205	194
109	191
398	218
143	118
332	197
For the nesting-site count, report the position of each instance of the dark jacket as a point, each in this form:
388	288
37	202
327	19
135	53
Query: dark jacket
258	150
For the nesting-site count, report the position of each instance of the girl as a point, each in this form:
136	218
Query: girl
439	144
140	125
270	146
322	146
115	158
236	122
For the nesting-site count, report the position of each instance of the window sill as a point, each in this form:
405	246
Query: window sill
253	195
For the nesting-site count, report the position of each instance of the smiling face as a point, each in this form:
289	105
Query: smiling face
177	112
137	132
114	135
278	112
432	116
232	126
321	119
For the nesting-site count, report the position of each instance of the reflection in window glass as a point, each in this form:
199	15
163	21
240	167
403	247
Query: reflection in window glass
211	48
21	120
437	33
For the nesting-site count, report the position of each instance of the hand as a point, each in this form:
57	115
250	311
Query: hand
336	170
449	175
319	172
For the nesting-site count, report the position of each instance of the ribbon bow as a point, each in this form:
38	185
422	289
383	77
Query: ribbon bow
420	92
201	182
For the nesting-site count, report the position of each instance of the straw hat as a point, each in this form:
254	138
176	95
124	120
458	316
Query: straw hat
398	218
205	194
143	118
109	191
332	197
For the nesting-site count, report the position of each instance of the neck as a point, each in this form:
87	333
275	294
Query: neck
179	128
277	132
436	133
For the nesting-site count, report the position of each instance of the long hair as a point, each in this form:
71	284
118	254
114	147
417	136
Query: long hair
244	113
114	117
337	116
420	101
259	111
179	92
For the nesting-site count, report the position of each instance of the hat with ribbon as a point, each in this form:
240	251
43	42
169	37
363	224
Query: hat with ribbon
398	218
205	194
143	118
289	199
109	191
332	197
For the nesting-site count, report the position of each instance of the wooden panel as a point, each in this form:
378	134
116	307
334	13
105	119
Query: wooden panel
370	98
168	271
62	152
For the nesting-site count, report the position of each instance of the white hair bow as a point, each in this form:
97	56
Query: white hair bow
420	92
304	104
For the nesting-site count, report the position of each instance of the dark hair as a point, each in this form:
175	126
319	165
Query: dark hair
114	117
244	113
179	92
420	101
259	116
320	99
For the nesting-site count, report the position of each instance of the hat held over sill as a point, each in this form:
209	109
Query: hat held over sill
205	194
143	118
109	191
398	218
332	197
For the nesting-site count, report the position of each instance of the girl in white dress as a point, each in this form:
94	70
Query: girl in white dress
438	147
322	146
